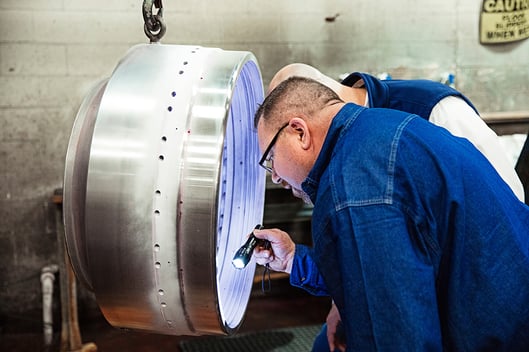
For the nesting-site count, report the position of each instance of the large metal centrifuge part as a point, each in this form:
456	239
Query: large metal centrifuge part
162	185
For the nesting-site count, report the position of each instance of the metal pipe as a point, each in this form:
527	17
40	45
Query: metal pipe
47	278
505	115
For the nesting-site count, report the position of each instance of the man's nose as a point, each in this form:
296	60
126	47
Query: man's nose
275	178
278	180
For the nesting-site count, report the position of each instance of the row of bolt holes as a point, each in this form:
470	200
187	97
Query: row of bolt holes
170	108
158	265
173	94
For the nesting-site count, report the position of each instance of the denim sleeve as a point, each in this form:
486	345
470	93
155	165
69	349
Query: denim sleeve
305	274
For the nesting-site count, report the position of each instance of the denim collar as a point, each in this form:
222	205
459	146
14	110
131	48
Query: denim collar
340	123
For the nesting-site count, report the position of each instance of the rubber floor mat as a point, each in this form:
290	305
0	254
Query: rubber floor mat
297	339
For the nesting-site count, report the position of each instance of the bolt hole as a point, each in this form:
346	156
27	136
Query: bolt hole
169	108
161	157
160	292
163	304
157	265
173	94
157	212
185	62
164	138
157	247
158	192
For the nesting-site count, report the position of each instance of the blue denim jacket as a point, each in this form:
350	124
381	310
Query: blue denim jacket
416	96
413	253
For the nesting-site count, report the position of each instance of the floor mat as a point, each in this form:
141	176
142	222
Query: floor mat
280	340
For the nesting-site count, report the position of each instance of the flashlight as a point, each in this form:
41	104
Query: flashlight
243	254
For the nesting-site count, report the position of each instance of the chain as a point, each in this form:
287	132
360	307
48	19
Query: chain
154	27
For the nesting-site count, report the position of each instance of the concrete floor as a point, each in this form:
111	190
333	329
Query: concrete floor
285	306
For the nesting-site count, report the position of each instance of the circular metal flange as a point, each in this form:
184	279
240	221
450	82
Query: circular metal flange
162	185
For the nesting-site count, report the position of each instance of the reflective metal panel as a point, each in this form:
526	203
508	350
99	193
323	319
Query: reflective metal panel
162	186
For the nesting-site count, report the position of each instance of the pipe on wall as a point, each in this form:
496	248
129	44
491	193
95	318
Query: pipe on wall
47	279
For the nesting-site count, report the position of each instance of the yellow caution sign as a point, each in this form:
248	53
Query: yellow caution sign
504	21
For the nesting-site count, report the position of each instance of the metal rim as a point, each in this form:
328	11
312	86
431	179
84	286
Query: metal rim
172	188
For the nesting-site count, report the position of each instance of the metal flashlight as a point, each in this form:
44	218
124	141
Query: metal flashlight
243	254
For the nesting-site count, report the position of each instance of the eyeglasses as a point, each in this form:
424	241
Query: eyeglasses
266	162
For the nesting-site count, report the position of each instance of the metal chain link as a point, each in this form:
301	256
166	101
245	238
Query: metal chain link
154	27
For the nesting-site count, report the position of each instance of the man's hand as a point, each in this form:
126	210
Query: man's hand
280	255
336	341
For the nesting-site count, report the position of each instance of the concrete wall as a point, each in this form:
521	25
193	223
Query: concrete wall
51	52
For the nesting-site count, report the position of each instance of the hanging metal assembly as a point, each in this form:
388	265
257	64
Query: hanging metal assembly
162	185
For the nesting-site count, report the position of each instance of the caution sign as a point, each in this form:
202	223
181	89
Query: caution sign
504	21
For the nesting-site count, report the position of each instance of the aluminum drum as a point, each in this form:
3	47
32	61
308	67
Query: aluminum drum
162	185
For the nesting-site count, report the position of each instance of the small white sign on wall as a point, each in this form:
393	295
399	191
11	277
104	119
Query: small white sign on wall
504	21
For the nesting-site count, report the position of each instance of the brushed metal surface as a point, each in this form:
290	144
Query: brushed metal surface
171	187
76	170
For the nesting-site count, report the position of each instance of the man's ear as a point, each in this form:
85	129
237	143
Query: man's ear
300	127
